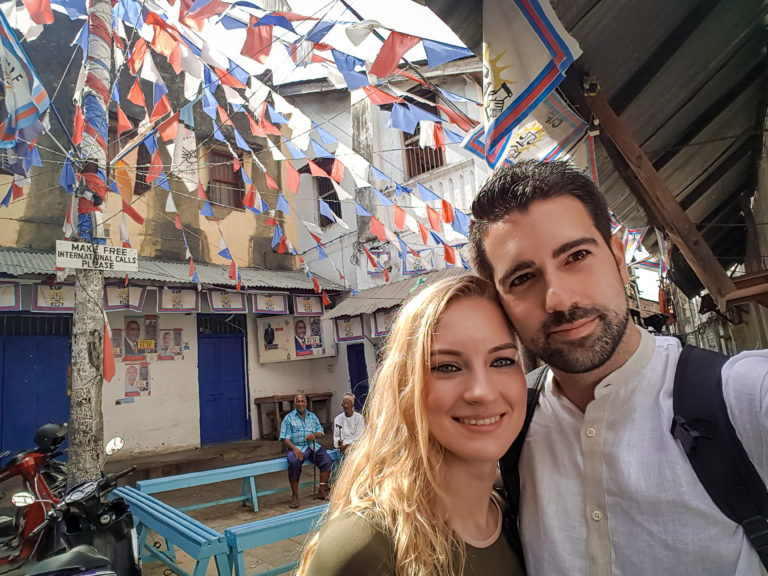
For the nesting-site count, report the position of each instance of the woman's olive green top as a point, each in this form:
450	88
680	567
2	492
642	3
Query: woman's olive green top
349	545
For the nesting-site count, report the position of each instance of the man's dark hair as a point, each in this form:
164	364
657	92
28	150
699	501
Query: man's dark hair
514	188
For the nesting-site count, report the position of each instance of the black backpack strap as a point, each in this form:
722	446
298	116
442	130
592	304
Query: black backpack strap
508	463
704	429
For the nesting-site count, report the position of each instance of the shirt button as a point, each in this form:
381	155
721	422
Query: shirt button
590	432
597	515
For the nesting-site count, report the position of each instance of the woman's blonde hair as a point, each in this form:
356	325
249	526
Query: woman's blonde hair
391	475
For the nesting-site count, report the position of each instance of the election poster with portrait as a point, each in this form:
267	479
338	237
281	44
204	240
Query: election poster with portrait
136	379
139	337
170	344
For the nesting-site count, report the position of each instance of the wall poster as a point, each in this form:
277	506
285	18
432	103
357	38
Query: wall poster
171	344
382	321
122	297
269	303
308	305
53	298
10	296
307	336
384	259
286	338
226	301
139	337
172	299
413	265
349	328
136	379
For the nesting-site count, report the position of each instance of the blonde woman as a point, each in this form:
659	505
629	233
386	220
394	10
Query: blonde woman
414	498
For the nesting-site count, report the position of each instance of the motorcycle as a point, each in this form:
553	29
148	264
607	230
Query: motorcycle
93	535
35	468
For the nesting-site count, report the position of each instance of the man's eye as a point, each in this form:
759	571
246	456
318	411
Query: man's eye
521	279
578	255
445	368
503	362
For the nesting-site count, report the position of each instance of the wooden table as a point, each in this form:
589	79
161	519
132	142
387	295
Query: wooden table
277	401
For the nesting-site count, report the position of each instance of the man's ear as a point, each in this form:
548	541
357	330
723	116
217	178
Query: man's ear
617	248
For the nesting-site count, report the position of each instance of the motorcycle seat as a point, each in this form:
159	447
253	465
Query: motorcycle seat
78	559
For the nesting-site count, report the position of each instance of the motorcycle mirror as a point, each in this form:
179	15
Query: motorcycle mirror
23	499
114	445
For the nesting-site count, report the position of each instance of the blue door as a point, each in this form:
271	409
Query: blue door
33	386
221	375
358	373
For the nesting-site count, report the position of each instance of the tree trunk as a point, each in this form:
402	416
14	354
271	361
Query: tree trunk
86	425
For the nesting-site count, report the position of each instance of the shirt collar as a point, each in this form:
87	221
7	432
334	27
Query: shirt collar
632	367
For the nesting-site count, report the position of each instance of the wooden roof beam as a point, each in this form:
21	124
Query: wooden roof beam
663	204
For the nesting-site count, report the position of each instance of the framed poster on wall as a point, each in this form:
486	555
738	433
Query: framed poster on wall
174	299
382	321
311	305
53	298
288	338
269	303
10	296
226	301
122	297
349	328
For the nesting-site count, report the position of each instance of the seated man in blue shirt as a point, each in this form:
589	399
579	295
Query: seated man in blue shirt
298	432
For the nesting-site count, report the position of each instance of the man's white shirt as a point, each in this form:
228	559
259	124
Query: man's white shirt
348	429
611	492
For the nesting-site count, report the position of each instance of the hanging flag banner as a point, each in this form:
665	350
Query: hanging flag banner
84	255
349	328
121	297
383	320
226	301
269	303
173	299
308	305
53	298
526	51
25	98
10	296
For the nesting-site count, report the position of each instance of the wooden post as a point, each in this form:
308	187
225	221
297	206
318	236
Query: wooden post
664	205
86	425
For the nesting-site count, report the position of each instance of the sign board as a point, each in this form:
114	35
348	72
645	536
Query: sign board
349	328
10	296
383	320
82	255
226	301
53	298
122	297
174	299
269	303
307	305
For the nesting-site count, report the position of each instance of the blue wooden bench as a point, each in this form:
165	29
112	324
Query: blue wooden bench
179	530
246	472
263	532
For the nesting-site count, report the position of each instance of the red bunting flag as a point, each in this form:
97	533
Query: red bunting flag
292	178
371	259
258	42
191	268
379	97
162	108
271	182
272	222
447	211
424	233
236	163
225	119
250	197
256	130
16	191
462	122
315	170
177	223
40	11
131	211
337	172
317	239
434	219
326	301
136	95
167	129
232	270
439	136
316	285
228	79
108	369
449	254
377	229
136	59
175	59
399	217
270	128
123	124
155	167
77	126
201	192
196	19
395	46
282	246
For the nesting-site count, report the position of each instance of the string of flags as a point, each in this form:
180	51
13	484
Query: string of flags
189	38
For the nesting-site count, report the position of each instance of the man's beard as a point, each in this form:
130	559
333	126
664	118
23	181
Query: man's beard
583	354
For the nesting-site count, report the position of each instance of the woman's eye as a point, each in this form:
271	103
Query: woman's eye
502	362
445	368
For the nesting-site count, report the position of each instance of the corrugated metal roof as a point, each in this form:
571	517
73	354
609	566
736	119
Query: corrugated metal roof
20	262
387	295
